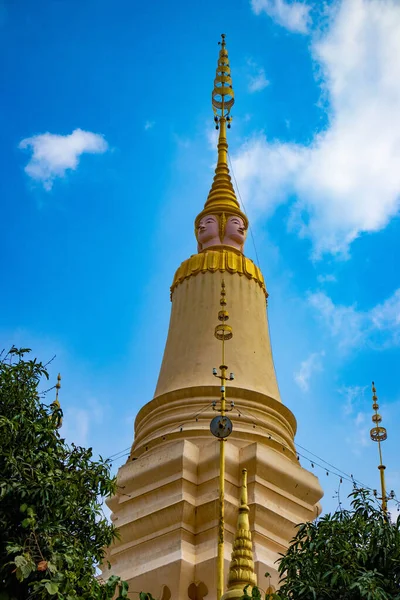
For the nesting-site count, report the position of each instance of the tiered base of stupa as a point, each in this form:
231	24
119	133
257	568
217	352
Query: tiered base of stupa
167	503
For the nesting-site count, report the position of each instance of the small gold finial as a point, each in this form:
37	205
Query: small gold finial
58	385
56	404
221	200
379	434
223	332
241	570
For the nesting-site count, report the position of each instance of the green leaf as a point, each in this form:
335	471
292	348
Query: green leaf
24	567
26	522
12	549
123	590
51	567
51	587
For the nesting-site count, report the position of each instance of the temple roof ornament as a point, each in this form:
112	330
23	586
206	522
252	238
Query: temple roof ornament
230	223
241	570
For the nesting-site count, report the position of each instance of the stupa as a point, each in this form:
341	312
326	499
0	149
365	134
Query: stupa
166	507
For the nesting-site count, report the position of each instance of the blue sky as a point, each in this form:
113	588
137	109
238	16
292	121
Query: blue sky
107	154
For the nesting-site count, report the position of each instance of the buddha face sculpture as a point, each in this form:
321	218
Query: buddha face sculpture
216	230
208	232
235	233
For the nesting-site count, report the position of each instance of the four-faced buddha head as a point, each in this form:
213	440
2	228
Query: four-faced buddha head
208	232
221	230
235	232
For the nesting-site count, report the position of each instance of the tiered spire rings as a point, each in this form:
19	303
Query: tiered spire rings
223	96
378	434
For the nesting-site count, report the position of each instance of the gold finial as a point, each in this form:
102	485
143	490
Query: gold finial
222	199
379	434
56	404
241	570
223	331
223	96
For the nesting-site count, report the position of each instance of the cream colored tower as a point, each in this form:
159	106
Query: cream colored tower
167	502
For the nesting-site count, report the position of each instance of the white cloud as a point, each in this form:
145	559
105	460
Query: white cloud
353	395
361	437
328	278
53	154
347	180
378	327
294	16
357	421
75	427
212	138
264	171
308	367
394	513
149	125
77	422
257	78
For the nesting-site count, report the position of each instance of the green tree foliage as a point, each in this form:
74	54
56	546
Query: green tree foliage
52	529
348	555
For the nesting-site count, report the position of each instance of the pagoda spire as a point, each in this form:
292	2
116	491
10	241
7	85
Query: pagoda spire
56	406
222	199
379	434
241	570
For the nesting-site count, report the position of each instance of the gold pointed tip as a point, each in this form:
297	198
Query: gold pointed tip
374	396
243	494
58	384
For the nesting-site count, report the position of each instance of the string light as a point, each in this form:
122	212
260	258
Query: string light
124	452
341	475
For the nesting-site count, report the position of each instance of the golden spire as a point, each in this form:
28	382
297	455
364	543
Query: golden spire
222	199
379	434
241	571
56	404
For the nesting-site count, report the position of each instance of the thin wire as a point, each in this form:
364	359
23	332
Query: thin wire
319	458
116	456
244	210
339	472
117	453
339	506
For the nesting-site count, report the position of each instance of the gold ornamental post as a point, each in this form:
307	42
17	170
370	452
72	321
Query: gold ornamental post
378	434
221	427
55	405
